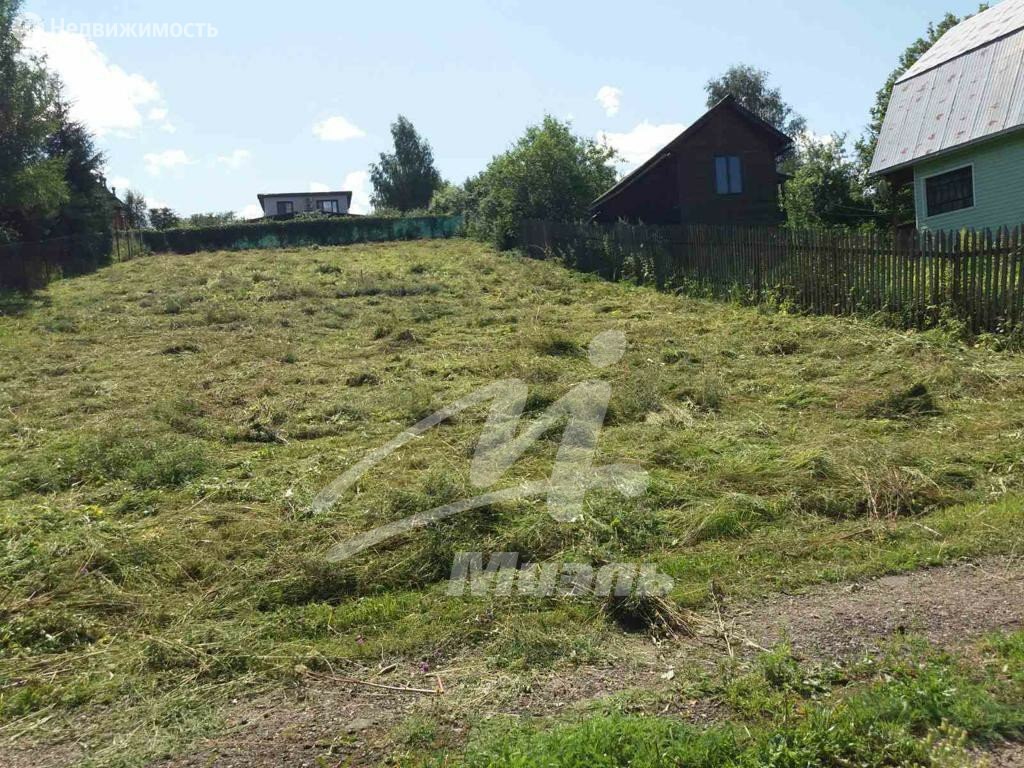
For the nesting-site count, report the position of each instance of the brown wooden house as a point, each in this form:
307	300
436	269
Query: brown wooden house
723	169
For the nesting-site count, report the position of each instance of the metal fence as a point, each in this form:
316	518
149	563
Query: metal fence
975	276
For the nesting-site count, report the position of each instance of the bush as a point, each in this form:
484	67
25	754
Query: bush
300	232
550	174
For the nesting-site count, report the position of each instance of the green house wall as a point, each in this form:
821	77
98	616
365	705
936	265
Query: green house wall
998	186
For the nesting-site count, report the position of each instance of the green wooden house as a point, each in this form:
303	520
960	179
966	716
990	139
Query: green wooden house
955	126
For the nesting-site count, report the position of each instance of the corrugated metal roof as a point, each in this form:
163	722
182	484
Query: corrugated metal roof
959	101
979	30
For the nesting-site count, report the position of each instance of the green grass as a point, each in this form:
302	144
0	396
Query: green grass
914	707
165	423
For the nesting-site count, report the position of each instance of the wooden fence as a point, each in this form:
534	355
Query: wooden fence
919	278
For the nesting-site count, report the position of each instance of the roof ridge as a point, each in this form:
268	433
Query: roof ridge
1005	18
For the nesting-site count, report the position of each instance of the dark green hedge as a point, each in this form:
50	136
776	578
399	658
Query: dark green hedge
299	232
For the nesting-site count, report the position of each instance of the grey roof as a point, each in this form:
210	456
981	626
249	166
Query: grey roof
969	87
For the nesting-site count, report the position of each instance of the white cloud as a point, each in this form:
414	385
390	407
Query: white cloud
610	98
358	182
318	186
235	160
169	159
337	128
642	142
251	211
810	138
103	95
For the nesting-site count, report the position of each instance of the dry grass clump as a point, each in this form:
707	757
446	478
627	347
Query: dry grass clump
893	492
913	402
649	613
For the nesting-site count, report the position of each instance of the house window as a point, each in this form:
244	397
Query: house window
328	206
728	175
285	206
950	191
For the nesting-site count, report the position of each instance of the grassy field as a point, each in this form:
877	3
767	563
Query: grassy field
166	422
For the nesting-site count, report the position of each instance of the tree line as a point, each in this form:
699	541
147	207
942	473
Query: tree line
552	173
52	185
51	182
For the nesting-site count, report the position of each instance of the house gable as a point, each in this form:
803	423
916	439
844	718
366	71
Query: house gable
678	184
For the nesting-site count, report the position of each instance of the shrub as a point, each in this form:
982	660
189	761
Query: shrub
328	230
550	173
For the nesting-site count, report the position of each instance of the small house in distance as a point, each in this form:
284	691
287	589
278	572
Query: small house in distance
954	128
290	203
723	169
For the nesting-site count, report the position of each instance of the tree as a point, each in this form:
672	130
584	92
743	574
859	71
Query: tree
892	205
163	218
211	219
135	209
405	179
751	88
449	200
32	183
549	173
824	191
88	211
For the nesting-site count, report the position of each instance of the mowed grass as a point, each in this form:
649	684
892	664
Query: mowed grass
165	423
912	706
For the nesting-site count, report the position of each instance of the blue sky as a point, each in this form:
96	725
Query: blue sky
292	96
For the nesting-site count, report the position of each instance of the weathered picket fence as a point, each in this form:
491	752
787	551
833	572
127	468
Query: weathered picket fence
918	277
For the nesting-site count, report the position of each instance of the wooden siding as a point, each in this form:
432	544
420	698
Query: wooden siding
680	187
654	199
729	134
998	186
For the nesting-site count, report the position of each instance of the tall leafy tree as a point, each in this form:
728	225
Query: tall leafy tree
549	173
136	210
405	179
32	182
88	211
163	218
751	87
824	189
888	203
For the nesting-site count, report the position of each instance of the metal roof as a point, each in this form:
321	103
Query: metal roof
977	31
958	98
